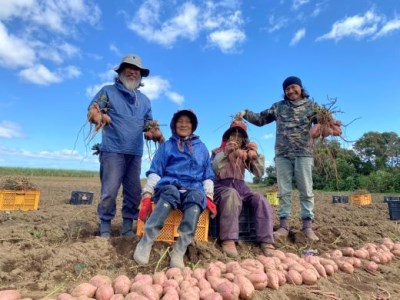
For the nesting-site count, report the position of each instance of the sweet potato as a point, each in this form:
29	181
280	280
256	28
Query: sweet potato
159	289
329	269
205	292
143	278
294	277
170	283
309	276
10	295
148	291
259	280
104	292
99	280
213	270
273	279
203	284
171	272
214	296
228	290
122	285
246	288
135	296
84	289
361	253
346	267
252	155
216	281
220	265
321	270
199	273
396	252
117	297
64	296
371	266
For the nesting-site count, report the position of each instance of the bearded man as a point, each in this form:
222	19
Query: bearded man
121	148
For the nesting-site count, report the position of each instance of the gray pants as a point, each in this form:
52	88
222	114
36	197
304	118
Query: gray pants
301	169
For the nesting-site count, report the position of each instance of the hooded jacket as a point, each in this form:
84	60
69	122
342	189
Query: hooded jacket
129	112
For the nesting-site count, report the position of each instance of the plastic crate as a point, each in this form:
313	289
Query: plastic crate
81	198
19	200
394	209
169	233
340	199
362	199
247	231
272	198
389	198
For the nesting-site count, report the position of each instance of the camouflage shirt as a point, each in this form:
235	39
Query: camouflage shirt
293	123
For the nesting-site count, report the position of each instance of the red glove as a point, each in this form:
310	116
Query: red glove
145	208
212	207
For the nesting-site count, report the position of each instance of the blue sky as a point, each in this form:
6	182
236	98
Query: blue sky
215	57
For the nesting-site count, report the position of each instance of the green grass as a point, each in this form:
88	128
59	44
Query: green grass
12	171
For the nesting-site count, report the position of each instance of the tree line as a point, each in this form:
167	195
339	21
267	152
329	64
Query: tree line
372	163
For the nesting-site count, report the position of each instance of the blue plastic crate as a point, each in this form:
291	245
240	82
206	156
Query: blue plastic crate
81	198
340	199
394	209
388	198
247	231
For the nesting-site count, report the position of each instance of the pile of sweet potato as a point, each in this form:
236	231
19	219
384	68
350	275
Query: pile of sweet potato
232	280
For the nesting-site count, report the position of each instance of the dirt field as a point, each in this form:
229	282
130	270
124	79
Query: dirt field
51	250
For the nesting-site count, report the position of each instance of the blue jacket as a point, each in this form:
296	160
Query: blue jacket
129	112
182	163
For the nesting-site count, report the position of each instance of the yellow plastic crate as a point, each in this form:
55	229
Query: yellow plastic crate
19	200
272	198
169	233
362	199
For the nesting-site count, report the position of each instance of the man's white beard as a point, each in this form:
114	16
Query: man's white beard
128	83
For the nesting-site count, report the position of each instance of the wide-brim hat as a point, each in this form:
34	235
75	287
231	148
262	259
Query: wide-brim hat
236	126
187	112
132	59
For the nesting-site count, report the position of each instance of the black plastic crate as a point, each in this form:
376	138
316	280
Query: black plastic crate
247	231
394	209
389	198
340	199
81	198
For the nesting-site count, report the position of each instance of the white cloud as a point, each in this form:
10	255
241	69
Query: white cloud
70	72
14	51
175	97
268	136
27	36
189	22
389	27
275	25
226	40
299	35
156	86
115	49
39	74
356	26
91	91
10	130
299	3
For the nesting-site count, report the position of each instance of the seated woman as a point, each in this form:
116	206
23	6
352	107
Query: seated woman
180	177
229	161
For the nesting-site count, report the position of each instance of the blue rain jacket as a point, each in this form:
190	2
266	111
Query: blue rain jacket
129	112
185	167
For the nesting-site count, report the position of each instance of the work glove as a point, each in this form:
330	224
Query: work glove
145	208
212	207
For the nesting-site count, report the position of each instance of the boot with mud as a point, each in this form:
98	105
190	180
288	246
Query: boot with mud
152	229
282	233
229	248
105	229
186	230
266	248
128	227
307	230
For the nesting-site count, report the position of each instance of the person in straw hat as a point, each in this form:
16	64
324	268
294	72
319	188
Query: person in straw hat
121	148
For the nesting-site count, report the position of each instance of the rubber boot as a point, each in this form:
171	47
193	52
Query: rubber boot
152	229
307	230
229	248
283	231
105	229
127	229
186	229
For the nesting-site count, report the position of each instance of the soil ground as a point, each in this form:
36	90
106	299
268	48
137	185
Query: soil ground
53	249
